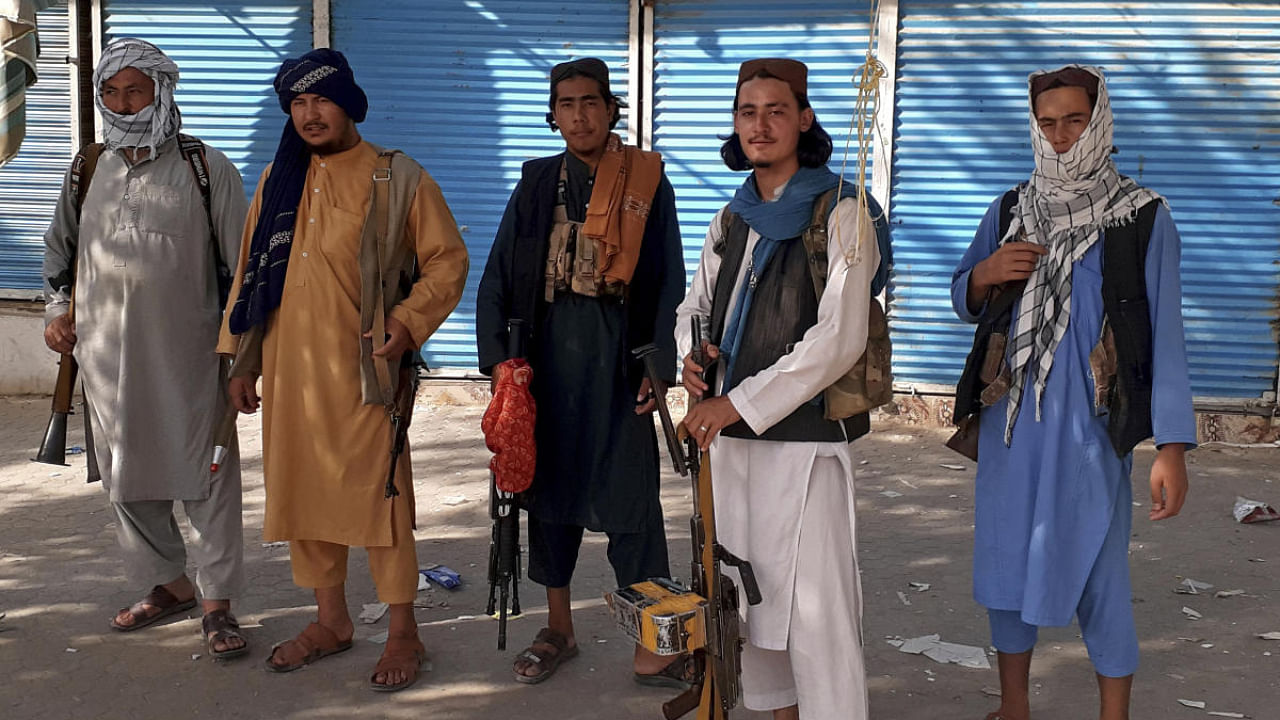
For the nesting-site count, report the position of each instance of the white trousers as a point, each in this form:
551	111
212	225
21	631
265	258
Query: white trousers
822	670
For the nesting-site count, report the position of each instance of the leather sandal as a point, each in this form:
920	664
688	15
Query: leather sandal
219	626
677	675
159	598
402	653
316	640
547	661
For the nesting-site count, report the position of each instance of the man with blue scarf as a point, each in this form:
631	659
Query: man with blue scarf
783	470
343	241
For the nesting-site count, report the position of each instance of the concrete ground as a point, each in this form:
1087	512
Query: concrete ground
61	580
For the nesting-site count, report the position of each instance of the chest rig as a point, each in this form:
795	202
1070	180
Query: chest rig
573	259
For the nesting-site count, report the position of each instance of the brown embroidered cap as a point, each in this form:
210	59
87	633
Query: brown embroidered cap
792	72
593	68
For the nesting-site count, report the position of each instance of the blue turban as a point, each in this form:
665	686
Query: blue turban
326	73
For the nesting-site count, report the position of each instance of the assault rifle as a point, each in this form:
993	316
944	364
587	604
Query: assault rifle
718	659
401	412
504	541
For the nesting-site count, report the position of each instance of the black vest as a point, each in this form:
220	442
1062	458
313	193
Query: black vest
534	204
1124	302
783	308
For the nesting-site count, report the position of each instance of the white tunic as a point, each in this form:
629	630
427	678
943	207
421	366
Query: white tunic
147	315
760	486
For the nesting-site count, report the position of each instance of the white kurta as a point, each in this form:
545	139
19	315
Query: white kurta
147	316
761	487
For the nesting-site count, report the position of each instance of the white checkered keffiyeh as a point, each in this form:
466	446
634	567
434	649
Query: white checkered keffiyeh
153	125
1069	200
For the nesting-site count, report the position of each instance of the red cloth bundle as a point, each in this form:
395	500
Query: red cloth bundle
508	426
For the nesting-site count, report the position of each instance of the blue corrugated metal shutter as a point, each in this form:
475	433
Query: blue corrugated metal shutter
698	46
463	89
228	54
1196	92
29	183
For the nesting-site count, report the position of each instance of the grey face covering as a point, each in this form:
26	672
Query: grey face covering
1069	200
155	124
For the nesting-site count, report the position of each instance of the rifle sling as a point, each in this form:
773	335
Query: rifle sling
378	328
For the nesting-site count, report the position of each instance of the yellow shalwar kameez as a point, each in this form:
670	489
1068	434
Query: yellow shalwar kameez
325	452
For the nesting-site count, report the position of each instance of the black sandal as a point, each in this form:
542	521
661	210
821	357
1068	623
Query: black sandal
219	626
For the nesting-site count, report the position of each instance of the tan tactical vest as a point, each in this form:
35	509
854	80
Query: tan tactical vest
572	258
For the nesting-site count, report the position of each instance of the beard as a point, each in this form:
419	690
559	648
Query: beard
336	145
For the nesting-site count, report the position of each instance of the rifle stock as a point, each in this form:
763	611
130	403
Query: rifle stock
53	448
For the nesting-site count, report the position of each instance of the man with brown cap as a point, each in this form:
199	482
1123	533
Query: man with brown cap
783	468
343	240
1073	280
588	256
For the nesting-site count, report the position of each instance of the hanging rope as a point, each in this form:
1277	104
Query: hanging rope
862	125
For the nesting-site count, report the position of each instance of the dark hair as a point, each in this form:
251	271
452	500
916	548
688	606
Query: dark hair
813	149
1066	77
606	93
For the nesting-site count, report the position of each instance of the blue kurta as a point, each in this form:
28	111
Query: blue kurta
1045	503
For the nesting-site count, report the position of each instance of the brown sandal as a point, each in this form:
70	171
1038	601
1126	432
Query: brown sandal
316	640
161	599
402	653
677	675
219	626
547	660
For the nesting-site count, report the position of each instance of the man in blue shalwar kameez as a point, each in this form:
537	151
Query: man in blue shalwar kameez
1054	503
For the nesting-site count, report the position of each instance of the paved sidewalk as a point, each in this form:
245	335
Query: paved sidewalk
60	581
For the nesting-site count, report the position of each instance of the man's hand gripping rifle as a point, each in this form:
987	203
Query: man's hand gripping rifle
717	658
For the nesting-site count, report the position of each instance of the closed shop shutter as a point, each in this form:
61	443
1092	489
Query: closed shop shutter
30	183
1196	91
698	46
462	88
228	54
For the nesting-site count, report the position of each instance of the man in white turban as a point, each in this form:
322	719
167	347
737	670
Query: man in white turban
144	264
1073	280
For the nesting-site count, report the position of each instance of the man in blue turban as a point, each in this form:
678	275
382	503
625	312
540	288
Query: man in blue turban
351	261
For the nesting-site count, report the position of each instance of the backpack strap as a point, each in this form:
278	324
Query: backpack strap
82	167
815	239
381	209
1007	201
192	150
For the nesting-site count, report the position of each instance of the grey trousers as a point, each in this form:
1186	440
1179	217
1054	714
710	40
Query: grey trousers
153	548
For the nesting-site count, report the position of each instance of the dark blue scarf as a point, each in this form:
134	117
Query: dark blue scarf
780	221
322	72
263	282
